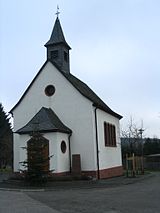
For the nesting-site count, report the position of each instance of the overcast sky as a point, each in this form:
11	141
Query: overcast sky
115	50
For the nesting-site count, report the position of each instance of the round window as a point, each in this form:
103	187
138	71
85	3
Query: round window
63	146
49	90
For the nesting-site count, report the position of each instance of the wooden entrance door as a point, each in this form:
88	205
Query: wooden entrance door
38	154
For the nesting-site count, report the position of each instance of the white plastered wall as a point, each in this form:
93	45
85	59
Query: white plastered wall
59	162
108	156
74	110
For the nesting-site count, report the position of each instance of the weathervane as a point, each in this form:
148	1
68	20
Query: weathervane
57	13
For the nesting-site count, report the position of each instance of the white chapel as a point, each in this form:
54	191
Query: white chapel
82	132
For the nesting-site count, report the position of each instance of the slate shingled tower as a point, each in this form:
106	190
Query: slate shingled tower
58	49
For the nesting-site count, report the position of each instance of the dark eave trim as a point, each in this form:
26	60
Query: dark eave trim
45	131
58	43
109	112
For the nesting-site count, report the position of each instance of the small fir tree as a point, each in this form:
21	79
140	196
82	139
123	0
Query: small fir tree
37	163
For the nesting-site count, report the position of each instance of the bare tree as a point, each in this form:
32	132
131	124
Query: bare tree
131	138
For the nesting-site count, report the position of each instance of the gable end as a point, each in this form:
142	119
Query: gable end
78	85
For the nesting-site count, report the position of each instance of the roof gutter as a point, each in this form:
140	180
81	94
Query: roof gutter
69	144
97	147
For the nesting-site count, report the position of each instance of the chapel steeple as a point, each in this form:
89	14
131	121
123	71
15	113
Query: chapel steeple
57	47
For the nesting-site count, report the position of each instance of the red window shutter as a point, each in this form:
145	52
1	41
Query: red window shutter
109	134
105	134
114	135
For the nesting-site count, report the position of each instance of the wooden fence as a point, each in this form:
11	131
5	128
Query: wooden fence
134	165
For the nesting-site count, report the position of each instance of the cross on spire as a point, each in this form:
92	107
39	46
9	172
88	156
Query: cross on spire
57	13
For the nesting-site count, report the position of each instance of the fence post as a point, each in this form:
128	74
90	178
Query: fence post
133	163
142	162
126	165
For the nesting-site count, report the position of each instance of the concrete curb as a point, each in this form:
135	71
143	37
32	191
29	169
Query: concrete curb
22	190
73	185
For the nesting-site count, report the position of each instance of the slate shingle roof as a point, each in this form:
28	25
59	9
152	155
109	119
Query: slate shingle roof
88	93
57	35
44	121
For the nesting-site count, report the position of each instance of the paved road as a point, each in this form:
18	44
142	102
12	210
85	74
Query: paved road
19	202
139	197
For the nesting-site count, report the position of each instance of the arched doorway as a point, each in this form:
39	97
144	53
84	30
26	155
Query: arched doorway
38	155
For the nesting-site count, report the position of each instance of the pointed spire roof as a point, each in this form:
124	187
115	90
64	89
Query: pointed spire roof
57	35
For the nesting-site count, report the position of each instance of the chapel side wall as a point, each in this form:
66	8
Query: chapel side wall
20	152
59	162
74	110
52	137
55	162
16	151
109	157
63	161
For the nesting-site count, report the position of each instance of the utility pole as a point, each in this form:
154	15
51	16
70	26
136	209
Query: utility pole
141	135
